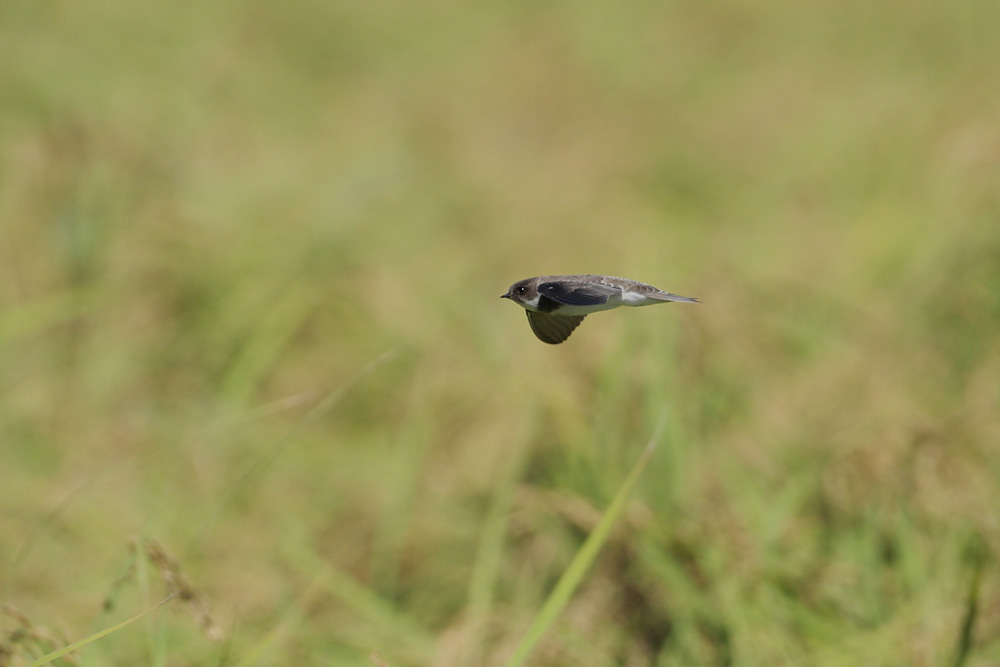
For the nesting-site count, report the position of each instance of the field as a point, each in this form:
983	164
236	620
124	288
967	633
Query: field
252	354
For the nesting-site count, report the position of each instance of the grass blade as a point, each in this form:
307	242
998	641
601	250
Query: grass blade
965	639
46	659
584	558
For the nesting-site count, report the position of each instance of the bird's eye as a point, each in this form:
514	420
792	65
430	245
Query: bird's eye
521	290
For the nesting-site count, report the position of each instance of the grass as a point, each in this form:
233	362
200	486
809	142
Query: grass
250	257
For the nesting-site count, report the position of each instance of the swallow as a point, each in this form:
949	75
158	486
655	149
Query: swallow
556	305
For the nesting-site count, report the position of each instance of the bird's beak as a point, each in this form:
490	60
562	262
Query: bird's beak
505	296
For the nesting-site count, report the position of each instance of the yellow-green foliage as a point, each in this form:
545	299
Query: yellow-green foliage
250	255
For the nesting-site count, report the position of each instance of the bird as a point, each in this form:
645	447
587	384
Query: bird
556	305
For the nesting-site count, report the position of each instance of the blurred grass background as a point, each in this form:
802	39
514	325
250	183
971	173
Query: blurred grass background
250	255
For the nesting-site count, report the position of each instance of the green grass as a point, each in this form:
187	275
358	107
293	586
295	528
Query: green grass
250	255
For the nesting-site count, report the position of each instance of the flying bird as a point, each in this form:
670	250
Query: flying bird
556	305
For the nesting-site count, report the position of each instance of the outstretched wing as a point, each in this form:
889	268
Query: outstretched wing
578	294
553	329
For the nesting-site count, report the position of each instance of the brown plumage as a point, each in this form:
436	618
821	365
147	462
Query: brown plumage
557	304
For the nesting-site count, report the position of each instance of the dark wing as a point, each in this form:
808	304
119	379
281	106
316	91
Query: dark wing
553	329
578	294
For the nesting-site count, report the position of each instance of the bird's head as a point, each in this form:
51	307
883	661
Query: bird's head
522	292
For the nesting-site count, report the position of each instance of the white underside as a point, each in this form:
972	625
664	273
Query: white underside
636	299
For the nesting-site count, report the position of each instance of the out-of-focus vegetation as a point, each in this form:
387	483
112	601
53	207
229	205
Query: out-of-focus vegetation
250	339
